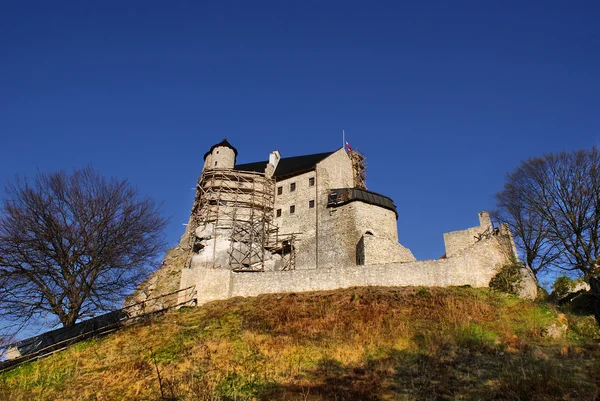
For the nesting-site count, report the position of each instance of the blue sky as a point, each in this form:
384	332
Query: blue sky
444	98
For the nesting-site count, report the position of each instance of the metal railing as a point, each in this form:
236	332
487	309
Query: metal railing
57	340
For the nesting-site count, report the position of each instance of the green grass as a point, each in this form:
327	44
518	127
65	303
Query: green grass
353	344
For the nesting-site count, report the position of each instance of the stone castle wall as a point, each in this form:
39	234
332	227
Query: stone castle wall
473	266
341	239
333	242
456	241
339	229
373	251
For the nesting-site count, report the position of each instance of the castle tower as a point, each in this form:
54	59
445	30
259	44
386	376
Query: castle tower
220	156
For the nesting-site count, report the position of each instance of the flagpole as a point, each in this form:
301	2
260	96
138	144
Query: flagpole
343	139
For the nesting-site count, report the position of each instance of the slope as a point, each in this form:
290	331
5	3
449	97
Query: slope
372	343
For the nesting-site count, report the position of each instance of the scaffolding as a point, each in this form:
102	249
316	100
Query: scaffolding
240	203
359	168
284	245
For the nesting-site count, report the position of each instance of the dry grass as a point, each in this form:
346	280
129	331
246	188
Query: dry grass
353	344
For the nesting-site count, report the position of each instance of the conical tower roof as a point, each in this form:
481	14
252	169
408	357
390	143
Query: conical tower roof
224	143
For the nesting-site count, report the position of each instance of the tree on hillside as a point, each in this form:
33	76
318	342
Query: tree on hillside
530	230
73	245
552	206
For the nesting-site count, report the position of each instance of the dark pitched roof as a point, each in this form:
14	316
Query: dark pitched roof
225	143
258	167
287	166
341	196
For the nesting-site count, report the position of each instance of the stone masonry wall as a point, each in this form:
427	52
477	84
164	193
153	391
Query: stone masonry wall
334	172
223	156
381	222
474	266
456	241
341	229
381	250
338	238
303	220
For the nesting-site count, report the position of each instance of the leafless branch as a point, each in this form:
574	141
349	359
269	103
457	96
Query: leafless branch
73	245
552	205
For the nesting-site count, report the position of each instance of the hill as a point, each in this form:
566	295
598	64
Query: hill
373	343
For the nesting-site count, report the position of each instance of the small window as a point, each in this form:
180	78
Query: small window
279	190
217	152
311	182
215	164
278	212
292	209
292	187
311	204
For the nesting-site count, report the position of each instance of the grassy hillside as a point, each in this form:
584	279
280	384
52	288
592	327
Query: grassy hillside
353	344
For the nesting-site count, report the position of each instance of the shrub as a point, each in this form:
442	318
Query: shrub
562	287
508	279
584	327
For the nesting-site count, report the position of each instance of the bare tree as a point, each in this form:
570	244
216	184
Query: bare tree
73	245
530	230
552	204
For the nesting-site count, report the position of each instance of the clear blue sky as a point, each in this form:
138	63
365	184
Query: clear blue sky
443	97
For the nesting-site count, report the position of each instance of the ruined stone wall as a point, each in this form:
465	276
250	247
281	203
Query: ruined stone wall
474	266
456	241
381	250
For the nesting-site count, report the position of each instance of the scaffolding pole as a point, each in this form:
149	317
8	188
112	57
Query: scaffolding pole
359	168
241	202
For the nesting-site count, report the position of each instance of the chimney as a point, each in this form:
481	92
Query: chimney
274	157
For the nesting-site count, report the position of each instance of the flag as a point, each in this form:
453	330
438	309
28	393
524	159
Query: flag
348	147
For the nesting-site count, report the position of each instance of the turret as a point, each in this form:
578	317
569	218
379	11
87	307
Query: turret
221	155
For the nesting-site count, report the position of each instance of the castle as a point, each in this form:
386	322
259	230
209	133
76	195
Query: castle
303	212
308	223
